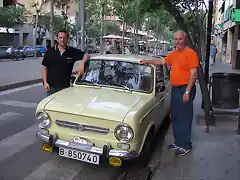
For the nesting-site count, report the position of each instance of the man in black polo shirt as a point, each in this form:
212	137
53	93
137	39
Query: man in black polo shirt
58	63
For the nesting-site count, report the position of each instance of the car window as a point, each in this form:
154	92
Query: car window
114	73
159	76
166	73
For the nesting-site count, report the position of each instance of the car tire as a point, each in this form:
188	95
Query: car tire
147	150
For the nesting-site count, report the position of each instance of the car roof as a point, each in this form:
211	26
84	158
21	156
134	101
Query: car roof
122	57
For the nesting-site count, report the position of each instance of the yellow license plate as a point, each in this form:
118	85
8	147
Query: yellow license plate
46	147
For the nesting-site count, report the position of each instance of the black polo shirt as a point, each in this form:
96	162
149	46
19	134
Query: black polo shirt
60	66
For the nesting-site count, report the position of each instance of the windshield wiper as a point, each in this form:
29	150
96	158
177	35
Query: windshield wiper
119	85
90	82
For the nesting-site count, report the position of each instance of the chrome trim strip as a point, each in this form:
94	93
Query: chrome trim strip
93	149
82	127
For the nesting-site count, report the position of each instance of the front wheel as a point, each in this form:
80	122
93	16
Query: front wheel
147	151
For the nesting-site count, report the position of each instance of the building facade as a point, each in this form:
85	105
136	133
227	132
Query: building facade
224	30
17	36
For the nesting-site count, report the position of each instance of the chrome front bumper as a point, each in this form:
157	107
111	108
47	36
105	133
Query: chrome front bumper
106	151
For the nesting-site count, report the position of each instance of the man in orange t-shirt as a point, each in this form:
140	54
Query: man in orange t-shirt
184	63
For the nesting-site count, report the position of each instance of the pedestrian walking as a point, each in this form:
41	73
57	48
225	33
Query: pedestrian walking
213	53
184	63
58	64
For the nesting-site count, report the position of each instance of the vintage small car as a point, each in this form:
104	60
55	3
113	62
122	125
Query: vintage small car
110	113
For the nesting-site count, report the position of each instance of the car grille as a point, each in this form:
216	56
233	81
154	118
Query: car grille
82	127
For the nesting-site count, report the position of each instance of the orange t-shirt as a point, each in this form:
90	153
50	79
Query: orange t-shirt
181	62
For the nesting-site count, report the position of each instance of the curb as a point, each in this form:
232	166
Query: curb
23	83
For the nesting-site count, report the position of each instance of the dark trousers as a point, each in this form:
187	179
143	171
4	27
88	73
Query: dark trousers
182	116
53	90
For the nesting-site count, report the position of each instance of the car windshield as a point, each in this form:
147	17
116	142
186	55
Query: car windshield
121	74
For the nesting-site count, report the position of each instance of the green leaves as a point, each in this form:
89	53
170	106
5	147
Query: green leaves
11	16
59	23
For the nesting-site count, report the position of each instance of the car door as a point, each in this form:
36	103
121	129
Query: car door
167	96
160	93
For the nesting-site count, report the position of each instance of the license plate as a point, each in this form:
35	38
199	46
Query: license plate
79	155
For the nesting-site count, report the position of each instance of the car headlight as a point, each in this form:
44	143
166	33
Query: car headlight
43	119
123	133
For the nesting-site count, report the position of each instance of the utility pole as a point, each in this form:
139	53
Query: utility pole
234	46
82	11
77	23
35	32
209	31
102	21
51	22
204	80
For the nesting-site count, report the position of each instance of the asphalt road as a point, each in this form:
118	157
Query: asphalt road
21	157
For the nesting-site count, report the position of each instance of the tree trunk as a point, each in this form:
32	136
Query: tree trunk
51	22
35	35
123	34
101	40
179	19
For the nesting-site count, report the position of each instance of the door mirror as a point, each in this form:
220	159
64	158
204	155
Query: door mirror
160	87
72	79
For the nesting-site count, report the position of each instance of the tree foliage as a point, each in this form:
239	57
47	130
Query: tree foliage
186	14
93	25
59	23
12	16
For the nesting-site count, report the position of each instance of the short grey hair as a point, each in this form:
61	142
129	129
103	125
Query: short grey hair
184	33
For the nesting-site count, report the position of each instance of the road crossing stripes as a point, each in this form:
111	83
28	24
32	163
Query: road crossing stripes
17	142
19	104
21	157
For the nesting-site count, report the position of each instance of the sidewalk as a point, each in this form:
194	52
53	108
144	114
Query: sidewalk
215	155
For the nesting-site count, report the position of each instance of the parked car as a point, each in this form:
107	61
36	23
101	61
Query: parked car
3	53
28	51
111	112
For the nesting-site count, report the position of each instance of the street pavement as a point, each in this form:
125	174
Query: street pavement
21	157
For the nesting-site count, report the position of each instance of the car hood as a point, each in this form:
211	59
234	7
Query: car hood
101	103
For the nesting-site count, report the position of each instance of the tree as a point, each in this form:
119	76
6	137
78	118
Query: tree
186	14
110	27
12	16
128	12
59	23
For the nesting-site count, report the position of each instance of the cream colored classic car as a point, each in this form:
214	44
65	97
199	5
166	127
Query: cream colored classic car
110	113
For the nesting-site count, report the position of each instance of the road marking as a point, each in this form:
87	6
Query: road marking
17	142
19	104
19	89
7	115
56	168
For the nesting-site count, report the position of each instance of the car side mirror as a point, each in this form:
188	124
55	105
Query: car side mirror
160	87
73	79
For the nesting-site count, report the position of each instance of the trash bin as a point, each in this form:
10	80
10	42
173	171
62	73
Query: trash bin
225	93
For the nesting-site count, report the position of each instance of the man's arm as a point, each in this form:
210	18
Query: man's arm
153	61
193	76
81	68
44	74
86	57
45	64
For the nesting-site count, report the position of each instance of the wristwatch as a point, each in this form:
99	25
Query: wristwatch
186	92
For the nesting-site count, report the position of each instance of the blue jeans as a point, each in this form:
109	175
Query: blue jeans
53	90
182	116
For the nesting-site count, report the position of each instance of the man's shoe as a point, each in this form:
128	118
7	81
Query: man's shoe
172	147
182	151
